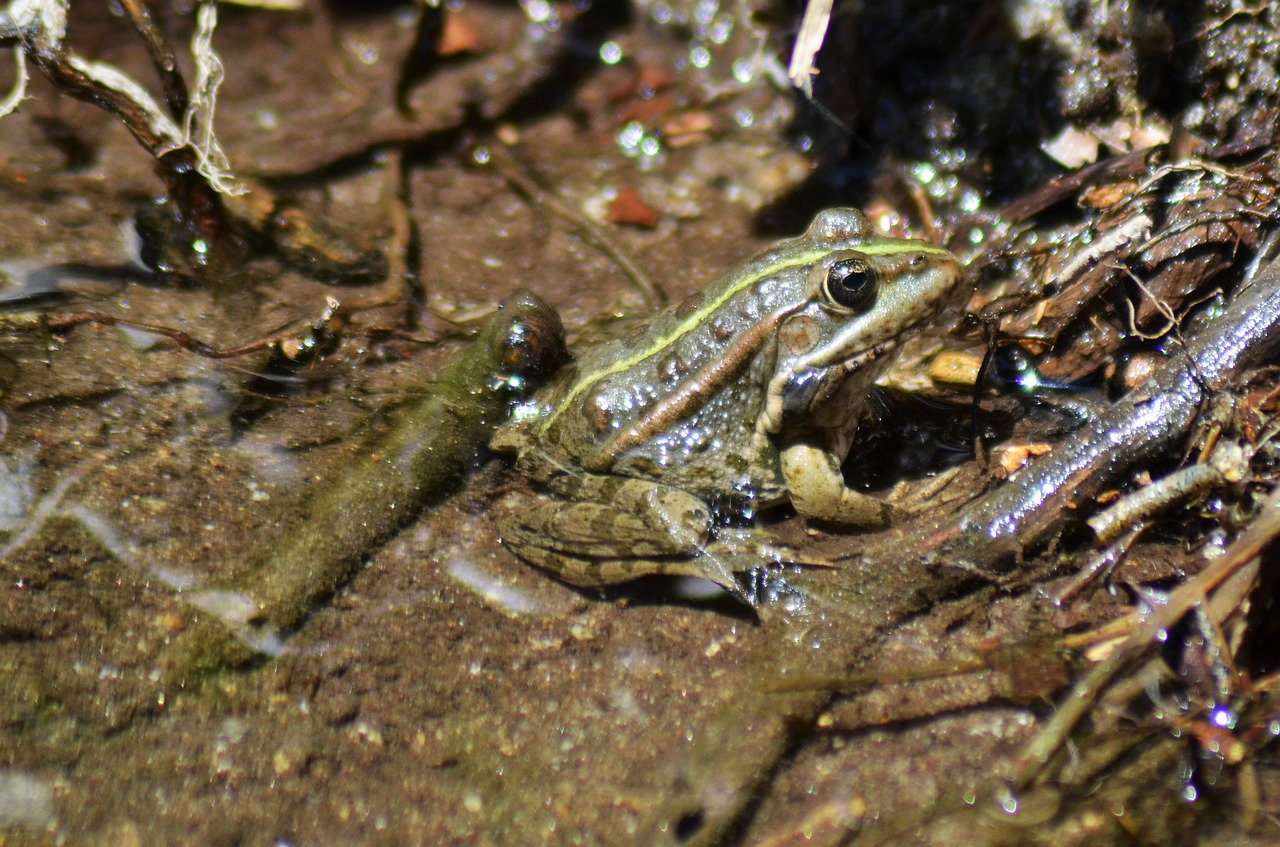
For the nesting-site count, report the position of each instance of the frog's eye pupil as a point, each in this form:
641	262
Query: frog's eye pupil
515	352
531	349
851	283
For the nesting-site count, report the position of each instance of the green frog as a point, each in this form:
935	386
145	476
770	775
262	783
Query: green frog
747	393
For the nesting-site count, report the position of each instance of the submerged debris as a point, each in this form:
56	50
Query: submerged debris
433	444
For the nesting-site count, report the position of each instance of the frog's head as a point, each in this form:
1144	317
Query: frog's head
865	293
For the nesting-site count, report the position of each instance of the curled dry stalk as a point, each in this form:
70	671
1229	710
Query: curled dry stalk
178	135
211	208
37	28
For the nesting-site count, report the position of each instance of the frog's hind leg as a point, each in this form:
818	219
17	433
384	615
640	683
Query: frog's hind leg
617	530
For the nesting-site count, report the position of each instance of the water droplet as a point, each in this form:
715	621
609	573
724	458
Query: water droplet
538	11
1222	716
705	12
611	52
629	138
720	31
924	172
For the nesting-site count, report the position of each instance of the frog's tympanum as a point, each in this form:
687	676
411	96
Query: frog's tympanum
747	393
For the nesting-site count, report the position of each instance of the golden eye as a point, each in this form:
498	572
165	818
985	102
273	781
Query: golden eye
851	284
532	347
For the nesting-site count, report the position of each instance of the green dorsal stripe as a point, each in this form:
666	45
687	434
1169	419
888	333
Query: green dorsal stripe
800	258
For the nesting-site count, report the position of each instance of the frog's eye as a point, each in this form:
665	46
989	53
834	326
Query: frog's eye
532	348
851	284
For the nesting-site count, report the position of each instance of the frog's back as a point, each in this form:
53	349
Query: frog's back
693	398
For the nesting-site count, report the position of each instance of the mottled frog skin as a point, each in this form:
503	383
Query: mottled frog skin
750	391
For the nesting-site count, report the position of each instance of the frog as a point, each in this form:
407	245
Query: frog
749	392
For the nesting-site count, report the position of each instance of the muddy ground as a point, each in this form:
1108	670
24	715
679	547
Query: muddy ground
449	693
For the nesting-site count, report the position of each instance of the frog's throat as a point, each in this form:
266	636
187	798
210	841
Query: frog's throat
769	422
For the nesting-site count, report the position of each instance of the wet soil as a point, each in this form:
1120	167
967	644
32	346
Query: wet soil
450	694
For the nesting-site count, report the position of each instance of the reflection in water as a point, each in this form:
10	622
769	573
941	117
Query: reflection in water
500	593
43	510
25	801
236	611
233	609
15	491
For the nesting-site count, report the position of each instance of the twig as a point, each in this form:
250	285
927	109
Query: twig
1261	532
516	176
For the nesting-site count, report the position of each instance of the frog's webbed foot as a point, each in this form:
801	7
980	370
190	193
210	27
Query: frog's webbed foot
908	500
625	529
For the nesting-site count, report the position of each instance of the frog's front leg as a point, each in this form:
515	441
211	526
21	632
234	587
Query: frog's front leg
615	529
818	490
